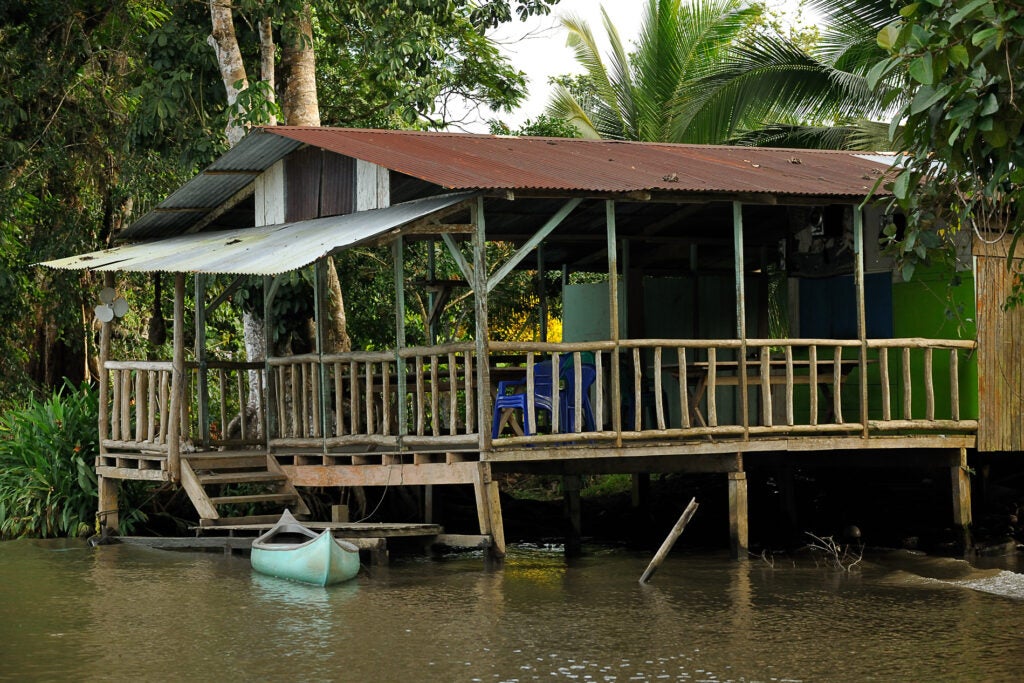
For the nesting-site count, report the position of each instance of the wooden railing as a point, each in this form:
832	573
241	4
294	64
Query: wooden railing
426	399
138	417
230	419
658	388
416	398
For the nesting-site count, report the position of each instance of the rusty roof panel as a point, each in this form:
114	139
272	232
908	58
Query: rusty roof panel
463	161
487	162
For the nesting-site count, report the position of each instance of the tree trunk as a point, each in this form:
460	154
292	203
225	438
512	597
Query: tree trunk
267	52
337	340
298	61
229	59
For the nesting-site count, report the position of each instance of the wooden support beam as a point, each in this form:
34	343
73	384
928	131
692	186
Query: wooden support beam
571	485
177	411
613	315
488	506
739	540
464	267
107	509
270	426
641	490
483	378
320	321
858	276
398	261
532	243
961	480
741	311
203	395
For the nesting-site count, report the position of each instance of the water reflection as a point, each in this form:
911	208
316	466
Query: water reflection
117	612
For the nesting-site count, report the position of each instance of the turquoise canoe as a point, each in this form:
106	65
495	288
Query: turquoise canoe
291	551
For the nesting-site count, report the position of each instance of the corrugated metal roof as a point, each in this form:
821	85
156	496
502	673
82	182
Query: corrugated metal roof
463	161
267	250
488	162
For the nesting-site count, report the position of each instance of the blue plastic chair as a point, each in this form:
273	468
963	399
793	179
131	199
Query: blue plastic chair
512	396
588	374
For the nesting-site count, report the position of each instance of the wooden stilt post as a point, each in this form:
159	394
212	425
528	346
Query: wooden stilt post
571	485
962	498
738	532
641	489
787	490
488	509
108	511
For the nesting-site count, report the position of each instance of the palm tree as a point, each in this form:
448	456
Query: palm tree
710	72
637	99
811	98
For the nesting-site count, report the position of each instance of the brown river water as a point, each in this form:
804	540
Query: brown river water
124	613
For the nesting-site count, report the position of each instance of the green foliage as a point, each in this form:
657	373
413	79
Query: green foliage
542	126
721	72
961	126
47	482
388	64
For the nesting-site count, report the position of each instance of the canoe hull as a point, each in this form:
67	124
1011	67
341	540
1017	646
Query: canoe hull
322	560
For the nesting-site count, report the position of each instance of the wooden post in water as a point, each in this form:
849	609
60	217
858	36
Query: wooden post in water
962	497
738	531
670	540
571	485
488	506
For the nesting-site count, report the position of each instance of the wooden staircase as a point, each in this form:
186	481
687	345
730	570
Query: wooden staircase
267	490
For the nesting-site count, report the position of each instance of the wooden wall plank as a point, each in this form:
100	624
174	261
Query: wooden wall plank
1000	353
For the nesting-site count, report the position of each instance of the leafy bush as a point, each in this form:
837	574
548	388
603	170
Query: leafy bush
47	450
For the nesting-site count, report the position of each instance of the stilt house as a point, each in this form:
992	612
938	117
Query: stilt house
747	317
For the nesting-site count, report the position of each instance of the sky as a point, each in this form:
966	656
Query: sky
537	47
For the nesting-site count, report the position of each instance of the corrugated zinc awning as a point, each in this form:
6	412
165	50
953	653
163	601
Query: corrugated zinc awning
267	250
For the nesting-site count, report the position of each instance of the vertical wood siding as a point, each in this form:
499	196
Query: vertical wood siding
1000	353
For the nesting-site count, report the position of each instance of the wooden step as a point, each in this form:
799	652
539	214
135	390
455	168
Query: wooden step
228	460
253	519
263	477
255	498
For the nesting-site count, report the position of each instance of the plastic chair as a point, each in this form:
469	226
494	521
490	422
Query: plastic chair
516	400
542	395
588	374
